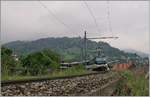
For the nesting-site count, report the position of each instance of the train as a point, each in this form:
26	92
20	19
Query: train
96	64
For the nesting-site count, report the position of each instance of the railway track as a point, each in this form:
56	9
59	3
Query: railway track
59	86
9	82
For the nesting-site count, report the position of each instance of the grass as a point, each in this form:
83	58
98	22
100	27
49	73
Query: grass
76	70
68	72
132	84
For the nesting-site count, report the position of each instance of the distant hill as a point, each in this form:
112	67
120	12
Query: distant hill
69	48
141	54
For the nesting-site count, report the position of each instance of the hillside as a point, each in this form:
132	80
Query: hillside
142	54
69	48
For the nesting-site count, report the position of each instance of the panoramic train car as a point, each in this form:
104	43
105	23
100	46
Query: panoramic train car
98	64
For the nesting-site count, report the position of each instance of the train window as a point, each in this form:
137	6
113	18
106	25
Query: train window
100	61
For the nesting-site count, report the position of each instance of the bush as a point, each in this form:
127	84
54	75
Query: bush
7	61
132	84
39	62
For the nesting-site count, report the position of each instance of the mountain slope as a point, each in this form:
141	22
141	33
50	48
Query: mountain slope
68	48
142	54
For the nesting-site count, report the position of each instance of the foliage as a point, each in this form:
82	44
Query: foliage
6	55
76	70
7	61
35	64
38	62
132	84
70	49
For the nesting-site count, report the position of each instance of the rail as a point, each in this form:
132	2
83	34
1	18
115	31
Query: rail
8	82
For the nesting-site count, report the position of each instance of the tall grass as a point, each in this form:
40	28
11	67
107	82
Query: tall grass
132	84
75	70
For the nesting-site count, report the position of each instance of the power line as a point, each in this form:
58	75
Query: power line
50	12
108	17
90	11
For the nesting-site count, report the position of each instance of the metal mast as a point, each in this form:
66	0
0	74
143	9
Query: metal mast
85	46
85	43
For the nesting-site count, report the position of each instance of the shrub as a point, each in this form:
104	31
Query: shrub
39	62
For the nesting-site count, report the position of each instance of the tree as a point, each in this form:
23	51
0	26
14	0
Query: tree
7	61
39	62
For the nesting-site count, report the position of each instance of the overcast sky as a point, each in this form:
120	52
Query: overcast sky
29	20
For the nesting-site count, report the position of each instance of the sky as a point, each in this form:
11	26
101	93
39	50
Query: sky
29	20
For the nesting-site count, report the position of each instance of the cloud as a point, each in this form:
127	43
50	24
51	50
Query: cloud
26	20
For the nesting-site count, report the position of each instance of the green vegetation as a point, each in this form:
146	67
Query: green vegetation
7	62
39	57
68	48
132	84
76	70
37	63
34	64
44	63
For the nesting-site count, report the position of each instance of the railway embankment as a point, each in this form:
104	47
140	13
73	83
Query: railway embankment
75	86
132	83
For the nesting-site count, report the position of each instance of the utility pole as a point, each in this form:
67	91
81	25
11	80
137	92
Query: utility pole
81	48
85	46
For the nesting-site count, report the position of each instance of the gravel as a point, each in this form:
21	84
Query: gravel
76	86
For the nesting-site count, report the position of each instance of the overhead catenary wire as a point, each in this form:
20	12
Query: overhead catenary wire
58	19
90	11
108	17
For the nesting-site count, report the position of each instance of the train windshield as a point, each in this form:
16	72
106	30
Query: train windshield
100	61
